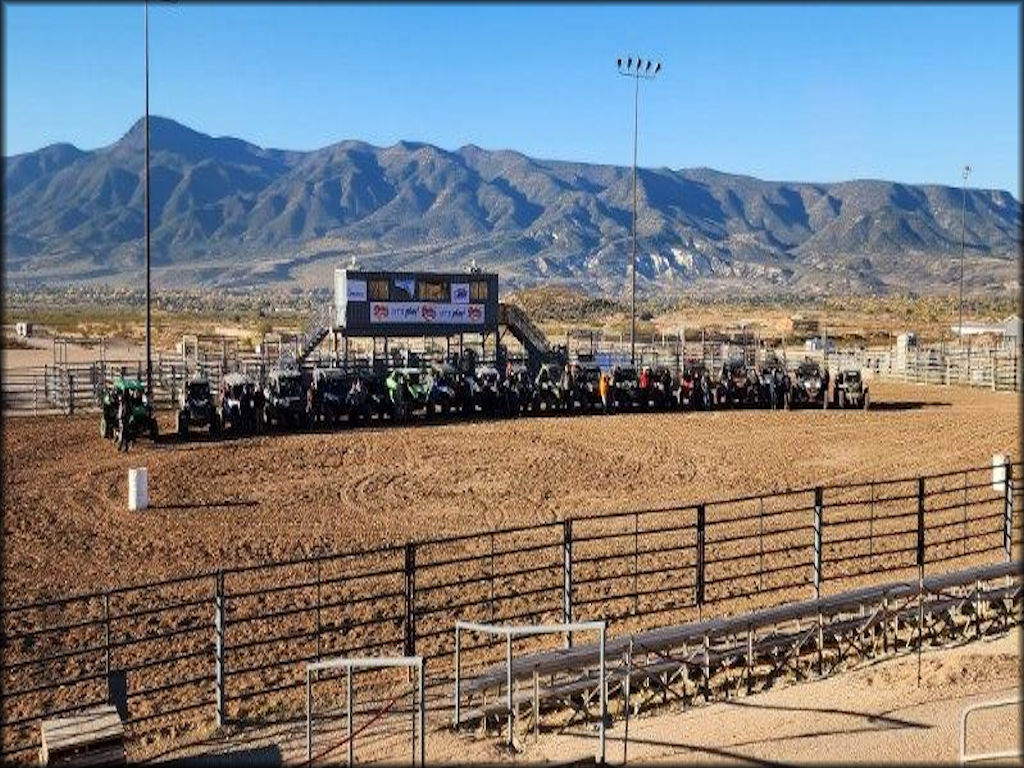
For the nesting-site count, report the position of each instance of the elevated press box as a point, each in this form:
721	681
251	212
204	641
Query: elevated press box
415	303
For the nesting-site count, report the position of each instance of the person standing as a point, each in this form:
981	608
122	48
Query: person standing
122	422
602	387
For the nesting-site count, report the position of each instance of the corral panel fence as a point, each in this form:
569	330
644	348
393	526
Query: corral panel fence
67	387
231	646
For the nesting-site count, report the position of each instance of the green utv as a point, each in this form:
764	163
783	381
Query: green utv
406	392
141	420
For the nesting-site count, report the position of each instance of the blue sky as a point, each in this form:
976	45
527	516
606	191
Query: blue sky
799	93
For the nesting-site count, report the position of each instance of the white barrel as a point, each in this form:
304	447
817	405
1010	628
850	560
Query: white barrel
999	473
138	488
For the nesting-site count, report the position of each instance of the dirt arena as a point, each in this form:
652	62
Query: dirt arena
234	502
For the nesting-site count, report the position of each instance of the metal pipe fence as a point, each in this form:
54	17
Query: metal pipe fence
233	645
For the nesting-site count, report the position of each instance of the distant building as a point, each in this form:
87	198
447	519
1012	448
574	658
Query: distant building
1012	329
817	345
798	325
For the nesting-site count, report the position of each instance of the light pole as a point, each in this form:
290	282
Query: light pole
149	341
963	229
638	72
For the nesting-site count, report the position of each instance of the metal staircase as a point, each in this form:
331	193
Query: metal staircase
525	331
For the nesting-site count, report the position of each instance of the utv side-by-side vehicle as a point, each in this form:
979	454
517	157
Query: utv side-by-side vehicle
327	396
141	419
695	390
487	394
736	385
284	398
809	386
517	390
406	392
773	384
196	407
240	407
850	390
585	391
445	389
547	392
624	389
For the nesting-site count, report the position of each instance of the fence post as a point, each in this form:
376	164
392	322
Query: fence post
318	601
700	559
1008	511
818	509
219	627
106	631
920	522
71	394
410	599
567	578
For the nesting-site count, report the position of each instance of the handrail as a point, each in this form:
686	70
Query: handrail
979	756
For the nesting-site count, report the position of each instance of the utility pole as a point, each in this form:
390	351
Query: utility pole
149	335
637	71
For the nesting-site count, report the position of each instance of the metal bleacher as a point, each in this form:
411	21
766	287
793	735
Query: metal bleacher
729	655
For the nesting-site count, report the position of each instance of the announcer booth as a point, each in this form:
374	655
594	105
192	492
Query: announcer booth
388	304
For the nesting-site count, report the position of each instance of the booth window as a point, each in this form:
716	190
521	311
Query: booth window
433	290
378	290
478	290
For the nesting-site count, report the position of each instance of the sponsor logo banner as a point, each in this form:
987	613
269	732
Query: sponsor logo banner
357	290
460	293
426	312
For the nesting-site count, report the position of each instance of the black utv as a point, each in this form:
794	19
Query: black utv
810	386
736	385
284	398
196	407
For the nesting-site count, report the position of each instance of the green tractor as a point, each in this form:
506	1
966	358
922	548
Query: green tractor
141	419
406	392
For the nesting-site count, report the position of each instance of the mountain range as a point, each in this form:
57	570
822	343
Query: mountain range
227	213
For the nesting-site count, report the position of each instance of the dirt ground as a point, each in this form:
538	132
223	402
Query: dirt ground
235	502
